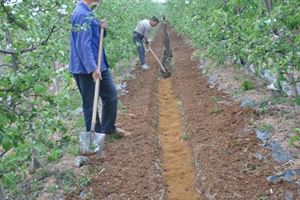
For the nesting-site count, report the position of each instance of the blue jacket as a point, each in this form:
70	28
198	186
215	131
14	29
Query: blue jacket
84	41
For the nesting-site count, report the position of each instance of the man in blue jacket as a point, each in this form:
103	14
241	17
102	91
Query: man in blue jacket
84	41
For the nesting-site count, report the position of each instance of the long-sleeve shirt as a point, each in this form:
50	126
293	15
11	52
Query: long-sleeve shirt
84	41
144	27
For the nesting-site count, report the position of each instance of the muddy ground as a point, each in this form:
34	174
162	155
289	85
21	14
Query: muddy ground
212	126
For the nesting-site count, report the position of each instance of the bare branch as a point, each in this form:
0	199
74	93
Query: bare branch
7	65
8	51
3	153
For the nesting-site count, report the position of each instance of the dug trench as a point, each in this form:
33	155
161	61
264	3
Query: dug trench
188	141
176	157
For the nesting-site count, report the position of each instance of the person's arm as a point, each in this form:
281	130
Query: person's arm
147	30
146	37
83	44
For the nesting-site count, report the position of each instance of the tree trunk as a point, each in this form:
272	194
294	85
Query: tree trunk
292	84
14	57
56	87
293	87
2	192
269	5
238	7
34	165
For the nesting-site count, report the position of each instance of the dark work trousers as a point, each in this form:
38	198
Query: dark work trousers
109	97
138	41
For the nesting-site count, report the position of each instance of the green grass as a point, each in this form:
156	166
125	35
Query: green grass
113	138
121	107
247	85
184	137
215	110
215	99
295	138
265	127
263	106
297	100
237	78
68	181
262	197
281	100
54	154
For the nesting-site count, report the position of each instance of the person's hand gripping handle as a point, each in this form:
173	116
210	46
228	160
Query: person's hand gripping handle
97	73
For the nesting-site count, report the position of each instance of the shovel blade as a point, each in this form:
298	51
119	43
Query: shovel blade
91	143
165	74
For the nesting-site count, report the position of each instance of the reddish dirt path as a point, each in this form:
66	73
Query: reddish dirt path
132	164
222	149
222	146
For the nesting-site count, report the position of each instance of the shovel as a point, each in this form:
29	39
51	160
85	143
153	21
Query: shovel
165	73
92	142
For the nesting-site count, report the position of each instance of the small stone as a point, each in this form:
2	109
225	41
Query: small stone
212	80
273	179
279	154
262	135
82	160
2	191
259	156
288	176
247	102
82	194
288	195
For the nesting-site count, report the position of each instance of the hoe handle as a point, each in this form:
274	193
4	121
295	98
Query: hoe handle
162	67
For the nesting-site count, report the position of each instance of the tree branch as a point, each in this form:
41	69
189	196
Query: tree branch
5	51
8	65
3	153
11	17
32	47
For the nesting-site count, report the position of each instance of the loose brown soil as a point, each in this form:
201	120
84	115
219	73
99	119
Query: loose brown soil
222	150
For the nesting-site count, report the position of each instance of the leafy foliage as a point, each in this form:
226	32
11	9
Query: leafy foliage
243	31
33	41
122	17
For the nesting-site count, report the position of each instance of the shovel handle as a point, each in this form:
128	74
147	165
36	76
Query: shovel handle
162	67
97	83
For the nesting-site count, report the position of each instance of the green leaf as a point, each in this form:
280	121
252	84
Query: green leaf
3	120
40	89
54	155
297	100
7	143
9	180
